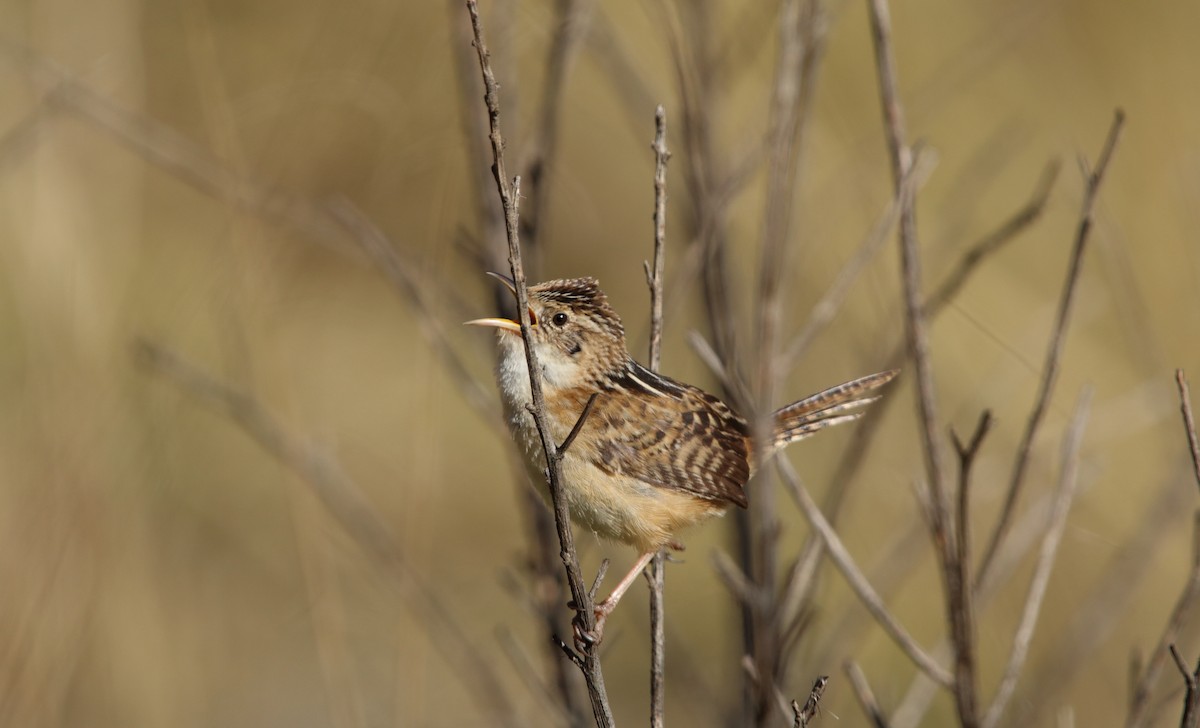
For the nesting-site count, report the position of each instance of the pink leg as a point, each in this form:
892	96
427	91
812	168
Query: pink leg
606	607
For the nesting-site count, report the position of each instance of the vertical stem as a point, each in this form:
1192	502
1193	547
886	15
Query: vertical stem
510	195
656	573
940	519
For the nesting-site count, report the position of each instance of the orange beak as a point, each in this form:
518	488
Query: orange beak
503	323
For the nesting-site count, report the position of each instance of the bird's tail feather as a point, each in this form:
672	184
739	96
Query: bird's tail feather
827	408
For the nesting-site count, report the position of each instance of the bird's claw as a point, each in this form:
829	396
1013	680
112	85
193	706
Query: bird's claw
586	639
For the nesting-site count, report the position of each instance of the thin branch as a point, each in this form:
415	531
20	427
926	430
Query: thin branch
1068	479
343	499
854	577
1189	422
337	226
404	278
853	457
802	715
583	416
831	302
801	35
656	574
941	527
737	582
510	200
866	698
1140	713
1097	614
991	243
901	161
654	274
571	24
963	628
1191	701
1057	339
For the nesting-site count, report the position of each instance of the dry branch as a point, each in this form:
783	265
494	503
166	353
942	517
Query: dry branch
654	278
864	694
942	527
1057	339
345	502
510	200
1140	709
854	577
1067	482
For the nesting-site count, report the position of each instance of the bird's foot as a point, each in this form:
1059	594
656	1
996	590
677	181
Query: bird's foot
586	639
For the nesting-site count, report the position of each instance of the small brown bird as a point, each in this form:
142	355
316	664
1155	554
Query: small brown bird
655	455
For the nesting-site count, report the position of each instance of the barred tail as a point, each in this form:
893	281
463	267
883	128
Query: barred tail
830	407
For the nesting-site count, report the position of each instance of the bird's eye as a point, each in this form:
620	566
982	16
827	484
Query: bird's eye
559	319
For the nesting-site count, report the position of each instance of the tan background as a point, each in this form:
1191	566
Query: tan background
158	568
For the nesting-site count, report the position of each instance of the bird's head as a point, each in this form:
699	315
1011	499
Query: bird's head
577	336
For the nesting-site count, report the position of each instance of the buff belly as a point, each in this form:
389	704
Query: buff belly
627	510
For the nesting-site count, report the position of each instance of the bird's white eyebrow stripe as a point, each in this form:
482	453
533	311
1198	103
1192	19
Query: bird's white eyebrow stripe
643	385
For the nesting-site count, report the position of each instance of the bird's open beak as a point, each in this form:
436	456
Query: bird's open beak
503	323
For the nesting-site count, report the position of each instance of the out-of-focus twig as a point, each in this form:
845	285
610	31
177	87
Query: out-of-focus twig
1068	479
1189	421
1140	712
1140	709
941	524
1191	700
866	698
345	502
863	435
854	577
510	192
992	242
339	227
571	19
1057	338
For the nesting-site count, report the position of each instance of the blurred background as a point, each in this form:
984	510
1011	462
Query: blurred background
206	177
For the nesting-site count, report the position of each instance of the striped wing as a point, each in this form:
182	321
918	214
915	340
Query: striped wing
672	435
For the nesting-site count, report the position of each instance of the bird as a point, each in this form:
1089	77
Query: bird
654	455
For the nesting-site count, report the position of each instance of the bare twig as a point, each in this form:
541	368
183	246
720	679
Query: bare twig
654	278
800	50
991	243
510	199
941	525
345	502
803	714
338	226
831	302
1140	713
854	577
571	24
490	218
1045	565
1098	613
587	411
654	273
1191	701
1189	422
866	698
1057	339
736	581
853	457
